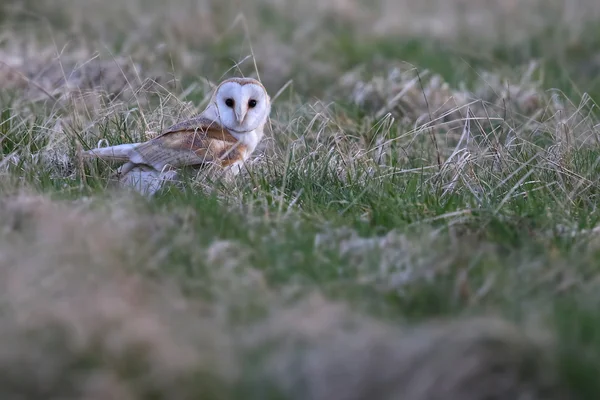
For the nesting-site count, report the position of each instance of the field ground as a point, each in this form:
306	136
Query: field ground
420	222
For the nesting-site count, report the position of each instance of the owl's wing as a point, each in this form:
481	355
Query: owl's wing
192	142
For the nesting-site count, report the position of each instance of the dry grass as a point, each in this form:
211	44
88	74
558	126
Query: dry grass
78	324
79	321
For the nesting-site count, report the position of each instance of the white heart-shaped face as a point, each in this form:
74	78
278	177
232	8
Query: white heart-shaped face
243	105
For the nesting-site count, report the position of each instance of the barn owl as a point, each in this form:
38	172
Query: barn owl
224	134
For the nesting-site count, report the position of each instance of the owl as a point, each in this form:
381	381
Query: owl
225	134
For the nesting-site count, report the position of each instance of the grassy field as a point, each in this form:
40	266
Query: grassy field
420	222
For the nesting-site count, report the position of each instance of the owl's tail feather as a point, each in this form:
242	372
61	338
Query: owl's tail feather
119	152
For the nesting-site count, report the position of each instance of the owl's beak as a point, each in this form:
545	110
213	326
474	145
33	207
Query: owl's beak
239	114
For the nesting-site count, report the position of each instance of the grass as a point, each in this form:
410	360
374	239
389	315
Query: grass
420	220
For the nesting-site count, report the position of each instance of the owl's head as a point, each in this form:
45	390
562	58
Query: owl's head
242	104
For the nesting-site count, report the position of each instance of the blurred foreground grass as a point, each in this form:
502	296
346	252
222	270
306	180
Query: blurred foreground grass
428	164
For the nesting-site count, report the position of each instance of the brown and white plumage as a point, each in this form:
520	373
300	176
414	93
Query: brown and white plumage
224	134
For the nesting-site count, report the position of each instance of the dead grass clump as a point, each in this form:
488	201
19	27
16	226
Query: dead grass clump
391	261
77	77
321	351
476	129
415	97
77	324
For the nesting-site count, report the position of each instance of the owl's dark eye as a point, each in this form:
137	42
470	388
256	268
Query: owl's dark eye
252	103
229	103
